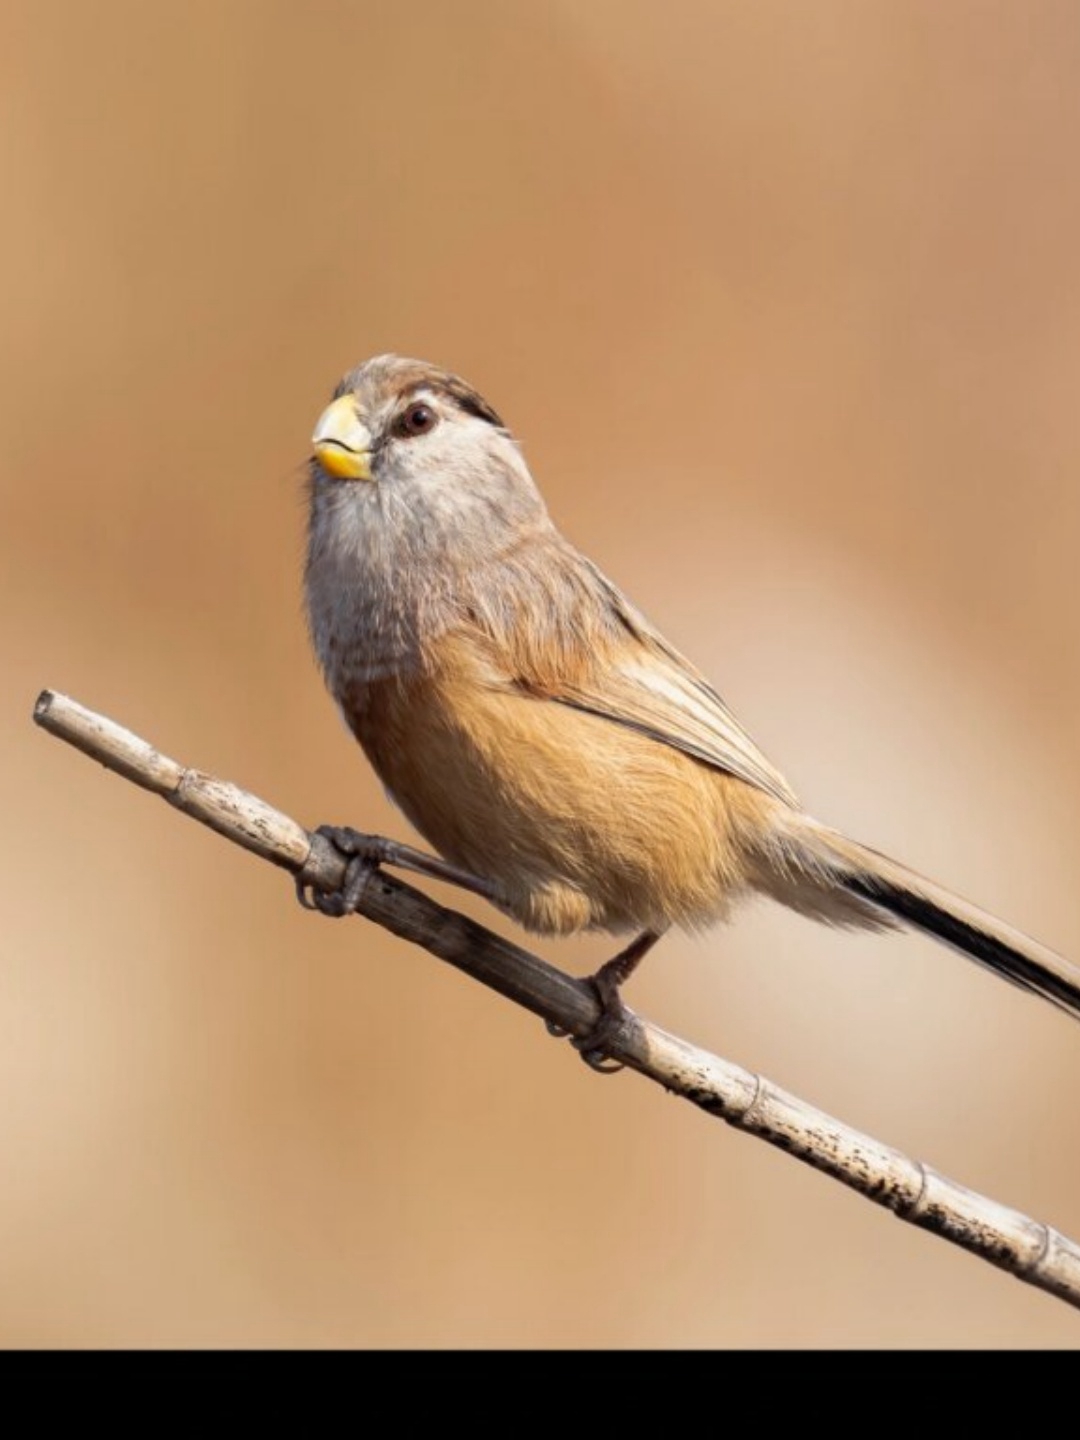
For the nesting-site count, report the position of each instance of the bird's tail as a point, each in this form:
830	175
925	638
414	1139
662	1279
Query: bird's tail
818	870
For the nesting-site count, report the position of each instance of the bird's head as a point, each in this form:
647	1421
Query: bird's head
407	447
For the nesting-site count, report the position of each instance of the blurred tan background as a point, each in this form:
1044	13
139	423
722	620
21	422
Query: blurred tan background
784	301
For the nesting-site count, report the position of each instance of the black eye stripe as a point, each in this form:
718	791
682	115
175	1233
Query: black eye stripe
473	405
467	399
462	396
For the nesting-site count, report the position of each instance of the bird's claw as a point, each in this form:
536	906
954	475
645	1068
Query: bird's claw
305	893
591	1046
355	845
595	1058
345	900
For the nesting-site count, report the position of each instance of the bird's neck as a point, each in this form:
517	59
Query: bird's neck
367	611
380	595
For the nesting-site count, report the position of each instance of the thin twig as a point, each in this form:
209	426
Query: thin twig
1028	1249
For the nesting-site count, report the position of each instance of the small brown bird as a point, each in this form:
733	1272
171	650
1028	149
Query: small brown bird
553	747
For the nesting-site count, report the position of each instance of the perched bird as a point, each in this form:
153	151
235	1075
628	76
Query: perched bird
563	758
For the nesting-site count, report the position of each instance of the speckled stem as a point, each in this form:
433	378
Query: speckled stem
1028	1249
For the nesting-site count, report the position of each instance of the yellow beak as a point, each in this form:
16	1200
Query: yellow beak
342	442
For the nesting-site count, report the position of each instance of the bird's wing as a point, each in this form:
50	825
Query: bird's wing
644	683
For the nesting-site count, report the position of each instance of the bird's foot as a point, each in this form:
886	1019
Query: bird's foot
607	983
365	853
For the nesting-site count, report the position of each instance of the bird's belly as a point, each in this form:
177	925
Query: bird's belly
579	821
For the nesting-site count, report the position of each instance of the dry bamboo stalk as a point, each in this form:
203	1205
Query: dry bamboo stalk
1028	1249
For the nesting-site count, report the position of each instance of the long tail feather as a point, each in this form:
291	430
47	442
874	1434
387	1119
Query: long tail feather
829	860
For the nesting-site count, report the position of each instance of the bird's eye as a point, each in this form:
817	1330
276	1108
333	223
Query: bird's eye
418	419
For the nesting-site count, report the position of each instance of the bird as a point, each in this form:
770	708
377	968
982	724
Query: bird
564	760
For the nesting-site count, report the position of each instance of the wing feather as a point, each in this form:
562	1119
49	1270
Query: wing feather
635	678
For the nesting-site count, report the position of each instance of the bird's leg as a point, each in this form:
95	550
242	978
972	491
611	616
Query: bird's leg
364	853
607	983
